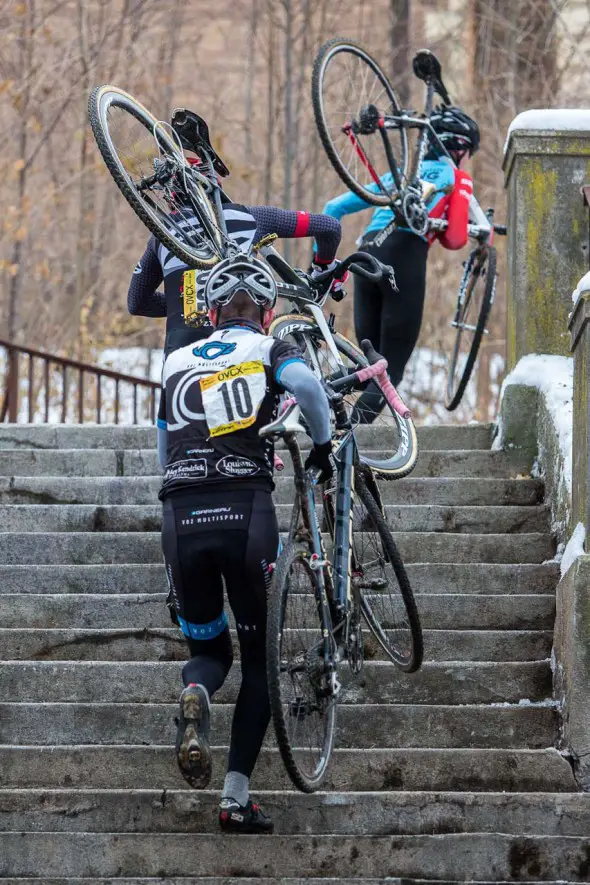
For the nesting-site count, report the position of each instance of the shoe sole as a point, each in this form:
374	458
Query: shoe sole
193	753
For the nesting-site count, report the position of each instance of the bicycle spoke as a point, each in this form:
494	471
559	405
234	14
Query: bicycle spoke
346	80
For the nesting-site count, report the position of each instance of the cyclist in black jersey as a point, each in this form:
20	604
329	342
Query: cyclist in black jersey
219	521
245	225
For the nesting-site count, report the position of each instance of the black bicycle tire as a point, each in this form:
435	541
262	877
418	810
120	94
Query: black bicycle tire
120	179
404	460
316	97
373	509
453	398
275	613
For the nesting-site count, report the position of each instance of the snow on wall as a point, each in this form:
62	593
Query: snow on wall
574	548
553	376
544	119
583	286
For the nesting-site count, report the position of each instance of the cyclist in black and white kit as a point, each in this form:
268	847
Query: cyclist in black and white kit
245	225
219	521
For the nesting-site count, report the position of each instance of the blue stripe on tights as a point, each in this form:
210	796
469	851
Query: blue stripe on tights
204	631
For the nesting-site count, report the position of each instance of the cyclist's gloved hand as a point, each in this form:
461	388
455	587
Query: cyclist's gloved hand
331	285
319	457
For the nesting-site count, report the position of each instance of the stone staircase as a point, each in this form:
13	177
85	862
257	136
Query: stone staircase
450	774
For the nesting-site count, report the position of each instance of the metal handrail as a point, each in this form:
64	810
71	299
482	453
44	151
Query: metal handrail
12	386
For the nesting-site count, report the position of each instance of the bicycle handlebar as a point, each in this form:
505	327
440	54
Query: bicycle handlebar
474	230
352	263
377	370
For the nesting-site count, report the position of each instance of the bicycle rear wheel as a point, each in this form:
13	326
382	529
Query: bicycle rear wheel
389	445
387	600
150	170
349	86
300	677
479	288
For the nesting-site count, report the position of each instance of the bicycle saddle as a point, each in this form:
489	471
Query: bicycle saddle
426	67
193	132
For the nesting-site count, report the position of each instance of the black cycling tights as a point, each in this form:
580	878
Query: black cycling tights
208	537
391	320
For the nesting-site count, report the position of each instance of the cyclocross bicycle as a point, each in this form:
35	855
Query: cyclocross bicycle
322	592
364	131
181	205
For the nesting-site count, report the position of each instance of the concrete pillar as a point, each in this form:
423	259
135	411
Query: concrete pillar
546	161
580	344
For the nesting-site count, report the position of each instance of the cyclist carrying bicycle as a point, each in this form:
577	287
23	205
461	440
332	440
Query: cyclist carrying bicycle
219	522
246	225
392	319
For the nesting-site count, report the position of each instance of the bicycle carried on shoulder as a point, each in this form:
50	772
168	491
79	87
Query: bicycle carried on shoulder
324	589
181	204
364	132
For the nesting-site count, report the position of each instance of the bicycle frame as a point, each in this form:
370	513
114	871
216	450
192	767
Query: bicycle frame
334	584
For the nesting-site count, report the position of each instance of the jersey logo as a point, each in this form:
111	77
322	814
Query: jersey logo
138	268
212	349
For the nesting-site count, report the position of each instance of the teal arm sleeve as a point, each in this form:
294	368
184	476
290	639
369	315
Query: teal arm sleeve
349	203
299	380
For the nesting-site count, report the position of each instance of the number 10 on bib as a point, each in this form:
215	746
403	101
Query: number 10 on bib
232	397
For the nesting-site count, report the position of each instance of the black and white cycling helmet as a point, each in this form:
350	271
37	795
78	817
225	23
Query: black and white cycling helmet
241	274
456	129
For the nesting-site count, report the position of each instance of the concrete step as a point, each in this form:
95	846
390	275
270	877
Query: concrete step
106	490
341	814
111	611
242	880
381	683
148	518
477	578
144	462
88	436
155	768
507	726
86	548
450	857
155	644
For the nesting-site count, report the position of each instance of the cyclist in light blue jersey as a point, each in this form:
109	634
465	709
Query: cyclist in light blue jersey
392	320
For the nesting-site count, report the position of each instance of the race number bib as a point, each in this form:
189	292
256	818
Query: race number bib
232	397
194	309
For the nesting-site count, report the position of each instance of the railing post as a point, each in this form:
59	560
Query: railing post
547	160
13	385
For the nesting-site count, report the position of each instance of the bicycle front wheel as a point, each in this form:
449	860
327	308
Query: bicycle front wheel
350	92
300	675
150	170
387	600
388	445
475	301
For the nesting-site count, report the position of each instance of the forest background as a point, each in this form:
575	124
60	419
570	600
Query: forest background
69	242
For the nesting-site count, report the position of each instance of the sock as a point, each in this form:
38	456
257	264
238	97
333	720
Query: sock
236	786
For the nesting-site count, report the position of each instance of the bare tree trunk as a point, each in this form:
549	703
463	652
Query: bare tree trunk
400	48
26	56
250	74
270	108
288	148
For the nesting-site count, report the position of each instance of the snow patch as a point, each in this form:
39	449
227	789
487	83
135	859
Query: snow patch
543	119
583	286
553	376
574	548
558	556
